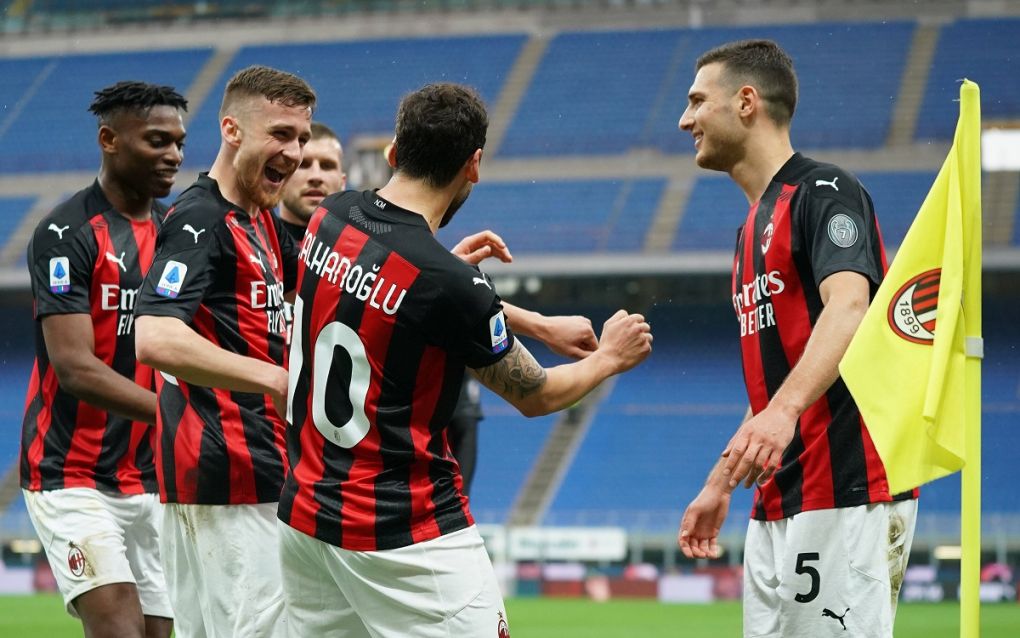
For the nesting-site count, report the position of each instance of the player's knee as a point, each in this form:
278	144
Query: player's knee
116	626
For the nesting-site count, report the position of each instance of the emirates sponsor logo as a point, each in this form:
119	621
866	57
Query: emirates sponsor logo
913	307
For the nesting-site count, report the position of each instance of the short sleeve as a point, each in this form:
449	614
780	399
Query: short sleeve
473	326
841	232
183	269
61	260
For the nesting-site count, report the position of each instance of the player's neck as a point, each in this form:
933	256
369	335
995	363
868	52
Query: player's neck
763	158
226	179
415	196
290	217
124	199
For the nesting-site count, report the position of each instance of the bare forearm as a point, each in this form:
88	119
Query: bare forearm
97	384
818	367
525	322
169	345
536	391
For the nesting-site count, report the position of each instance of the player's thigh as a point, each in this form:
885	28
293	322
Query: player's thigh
142	545
83	539
763	548
441	587
835	573
314	603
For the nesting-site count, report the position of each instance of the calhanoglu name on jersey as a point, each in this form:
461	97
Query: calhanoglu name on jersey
338	270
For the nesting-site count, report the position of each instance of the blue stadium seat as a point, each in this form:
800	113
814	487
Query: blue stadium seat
359	84
563	216
633	87
53	130
717	207
12	213
984	51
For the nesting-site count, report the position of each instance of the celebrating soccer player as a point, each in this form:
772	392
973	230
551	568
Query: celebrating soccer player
210	318
827	544
86	457
376	539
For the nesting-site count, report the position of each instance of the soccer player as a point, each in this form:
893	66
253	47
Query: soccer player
376	537
320	173
826	535
86	457
210	318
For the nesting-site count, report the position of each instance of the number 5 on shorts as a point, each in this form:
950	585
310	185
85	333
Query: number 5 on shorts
816	578
332	336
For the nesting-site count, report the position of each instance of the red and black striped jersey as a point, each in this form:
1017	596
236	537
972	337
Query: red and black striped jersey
812	221
385	321
87	258
224	273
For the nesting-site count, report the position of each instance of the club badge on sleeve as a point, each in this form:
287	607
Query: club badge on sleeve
60	275
497	332
171	280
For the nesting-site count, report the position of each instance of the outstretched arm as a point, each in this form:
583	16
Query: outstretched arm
567	335
534	390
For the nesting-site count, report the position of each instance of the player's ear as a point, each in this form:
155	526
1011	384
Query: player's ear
343	181
390	153
107	138
748	100
473	166
230	129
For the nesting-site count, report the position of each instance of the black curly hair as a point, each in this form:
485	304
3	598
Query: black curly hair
134	96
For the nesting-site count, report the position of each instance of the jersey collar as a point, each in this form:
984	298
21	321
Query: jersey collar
385	210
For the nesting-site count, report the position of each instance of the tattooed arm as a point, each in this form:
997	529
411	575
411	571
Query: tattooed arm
534	390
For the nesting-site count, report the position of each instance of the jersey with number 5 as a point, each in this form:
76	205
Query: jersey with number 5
385	321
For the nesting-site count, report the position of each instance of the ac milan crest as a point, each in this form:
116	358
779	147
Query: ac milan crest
76	560
913	307
503	630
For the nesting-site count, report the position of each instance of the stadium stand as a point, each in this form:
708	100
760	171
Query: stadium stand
12	212
638	83
360	83
49	128
983	51
563	216
716	208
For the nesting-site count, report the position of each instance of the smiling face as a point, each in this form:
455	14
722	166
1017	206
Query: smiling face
149	149
712	118
272	137
319	174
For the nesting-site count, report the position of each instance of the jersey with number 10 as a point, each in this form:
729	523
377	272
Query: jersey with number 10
385	322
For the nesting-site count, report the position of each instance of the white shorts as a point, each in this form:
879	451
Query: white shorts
94	539
823	572
444	587
222	570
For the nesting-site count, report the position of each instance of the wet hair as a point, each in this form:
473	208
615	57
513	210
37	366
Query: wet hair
272	84
764	65
136	97
439	127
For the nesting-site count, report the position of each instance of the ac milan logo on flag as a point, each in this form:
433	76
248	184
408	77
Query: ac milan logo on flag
76	560
502	628
912	310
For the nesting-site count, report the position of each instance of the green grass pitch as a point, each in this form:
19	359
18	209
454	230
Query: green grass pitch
43	615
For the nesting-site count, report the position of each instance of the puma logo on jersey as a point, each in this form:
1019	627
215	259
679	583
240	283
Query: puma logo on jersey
58	230
481	280
191	229
828	613
822	182
257	259
117	260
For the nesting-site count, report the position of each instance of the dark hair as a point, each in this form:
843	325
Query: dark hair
439	127
274	85
320	130
134	96
764	65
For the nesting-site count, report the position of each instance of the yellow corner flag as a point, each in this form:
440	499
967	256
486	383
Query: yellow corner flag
908	365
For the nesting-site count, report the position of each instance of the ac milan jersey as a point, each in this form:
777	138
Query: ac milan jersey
86	258
813	220
224	273
385	321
